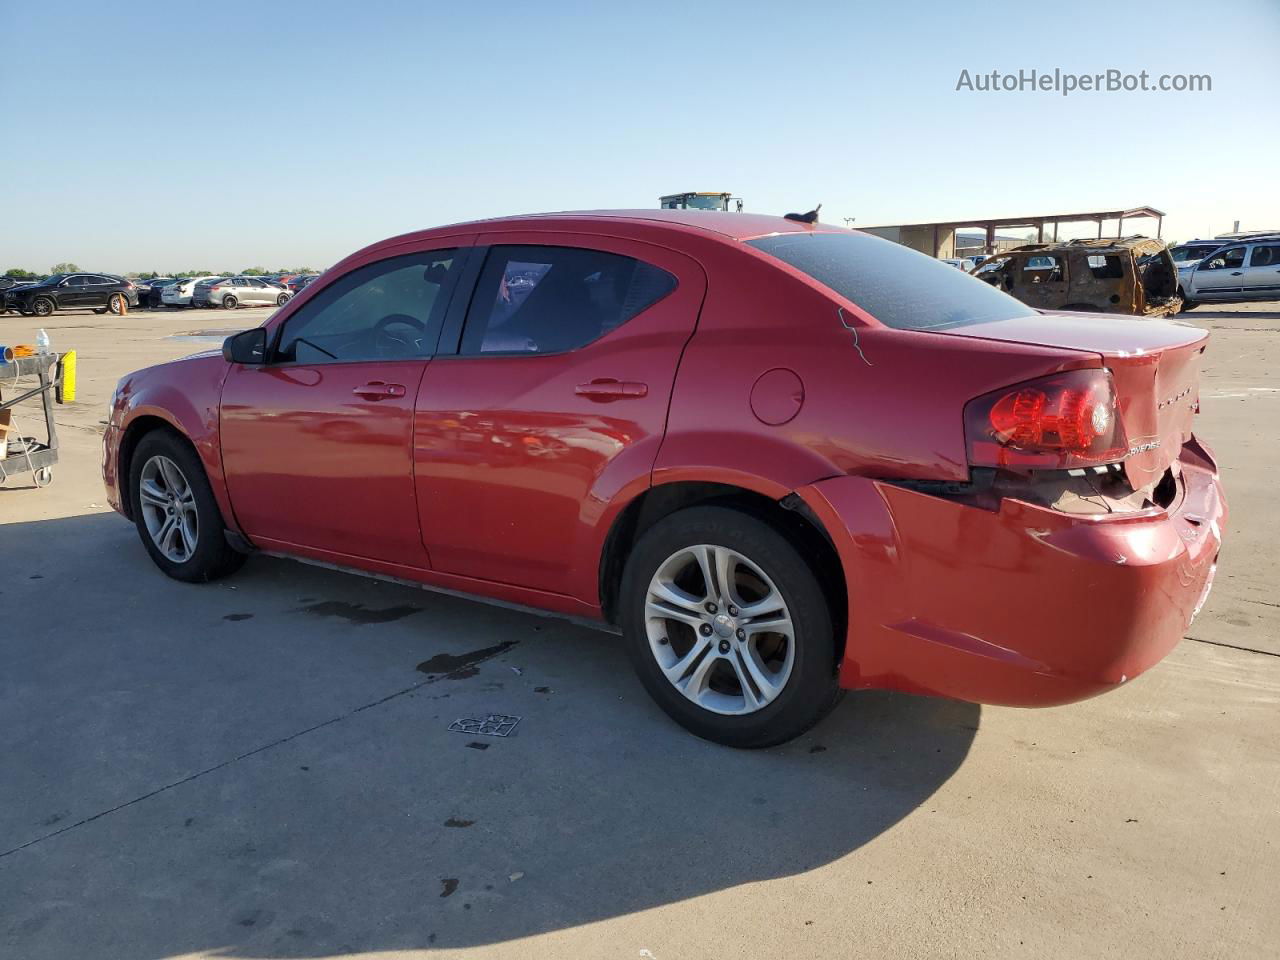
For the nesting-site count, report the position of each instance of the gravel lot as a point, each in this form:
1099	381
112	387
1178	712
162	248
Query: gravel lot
263	768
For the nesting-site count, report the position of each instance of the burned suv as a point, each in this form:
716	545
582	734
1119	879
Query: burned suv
1134	275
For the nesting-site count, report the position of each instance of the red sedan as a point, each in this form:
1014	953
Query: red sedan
786	459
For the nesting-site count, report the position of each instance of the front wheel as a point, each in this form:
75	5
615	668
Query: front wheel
729	628
175	512
42	307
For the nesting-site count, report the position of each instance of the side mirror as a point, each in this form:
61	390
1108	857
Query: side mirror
248	347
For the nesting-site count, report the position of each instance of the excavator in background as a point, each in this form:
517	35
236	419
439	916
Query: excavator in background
700	201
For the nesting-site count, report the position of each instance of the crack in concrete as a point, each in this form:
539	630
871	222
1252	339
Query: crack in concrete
1232	646
244	756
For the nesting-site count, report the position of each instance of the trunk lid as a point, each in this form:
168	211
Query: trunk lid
1155	364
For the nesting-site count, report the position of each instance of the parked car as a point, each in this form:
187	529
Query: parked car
179	294
1237	272
150	292
1134	275
784	458
232	292
98	292
958	262
299	282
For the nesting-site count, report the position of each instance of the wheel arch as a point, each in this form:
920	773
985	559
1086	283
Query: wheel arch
787	513
137	428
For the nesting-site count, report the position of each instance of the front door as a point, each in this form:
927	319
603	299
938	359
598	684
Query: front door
1043	281
316	443
74	292
1262	272
555	398
1219	276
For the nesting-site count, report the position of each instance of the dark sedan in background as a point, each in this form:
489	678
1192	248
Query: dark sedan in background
98	292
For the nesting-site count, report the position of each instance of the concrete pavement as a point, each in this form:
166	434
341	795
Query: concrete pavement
262	767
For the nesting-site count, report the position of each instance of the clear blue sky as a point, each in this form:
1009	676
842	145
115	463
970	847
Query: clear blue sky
145	136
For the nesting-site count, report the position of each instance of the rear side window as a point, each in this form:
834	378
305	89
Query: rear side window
1267	255
1106	267
539	299
898	286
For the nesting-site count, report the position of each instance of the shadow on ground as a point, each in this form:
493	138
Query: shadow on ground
257	768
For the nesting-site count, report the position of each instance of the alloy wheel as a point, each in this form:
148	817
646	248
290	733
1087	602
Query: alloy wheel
719	629
43	307
169	509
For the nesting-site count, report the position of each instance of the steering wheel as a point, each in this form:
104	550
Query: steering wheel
399	344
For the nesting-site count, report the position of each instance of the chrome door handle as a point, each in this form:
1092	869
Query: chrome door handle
377	390
606	389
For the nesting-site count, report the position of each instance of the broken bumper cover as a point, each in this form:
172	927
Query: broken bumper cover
1022	606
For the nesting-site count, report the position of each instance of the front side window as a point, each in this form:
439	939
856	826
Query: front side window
1231	259
389	310
78	282
552	299
1042	270
898	286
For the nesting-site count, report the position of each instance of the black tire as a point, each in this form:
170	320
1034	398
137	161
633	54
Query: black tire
282	299
229	302
43	307
1189	305
99	310
212	557
811	690
116	303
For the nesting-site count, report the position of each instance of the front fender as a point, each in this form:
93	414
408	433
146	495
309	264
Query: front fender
184	394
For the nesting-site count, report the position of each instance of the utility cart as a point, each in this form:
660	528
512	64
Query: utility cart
26	379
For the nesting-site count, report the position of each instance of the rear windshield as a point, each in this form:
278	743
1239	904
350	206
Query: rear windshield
898	286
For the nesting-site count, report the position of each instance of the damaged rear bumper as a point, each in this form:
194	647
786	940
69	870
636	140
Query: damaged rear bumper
1022	605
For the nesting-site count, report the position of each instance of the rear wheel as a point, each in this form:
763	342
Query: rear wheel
729	628
175	512
116	303
229	302
282	299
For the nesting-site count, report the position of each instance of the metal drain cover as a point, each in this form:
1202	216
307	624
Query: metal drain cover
494	725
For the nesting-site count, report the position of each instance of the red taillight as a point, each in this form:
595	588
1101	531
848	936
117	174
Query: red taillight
1058	422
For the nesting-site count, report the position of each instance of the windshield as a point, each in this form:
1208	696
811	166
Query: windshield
898	286
1192	251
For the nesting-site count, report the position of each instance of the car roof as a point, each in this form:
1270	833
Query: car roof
734	226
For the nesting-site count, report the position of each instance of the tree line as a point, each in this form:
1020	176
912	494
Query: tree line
18	273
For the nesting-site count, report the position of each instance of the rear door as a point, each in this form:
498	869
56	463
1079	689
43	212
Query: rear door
317	443
1042	281
1262	272
1220	276
99	290
555	399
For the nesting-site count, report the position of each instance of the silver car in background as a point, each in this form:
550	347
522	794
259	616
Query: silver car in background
232	292
179	294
